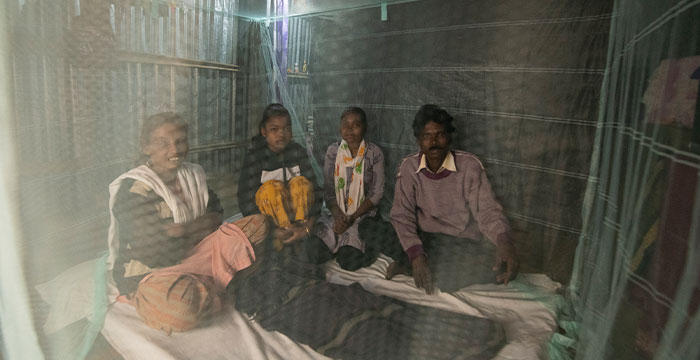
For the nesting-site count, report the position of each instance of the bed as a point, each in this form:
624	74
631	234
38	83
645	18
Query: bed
526	309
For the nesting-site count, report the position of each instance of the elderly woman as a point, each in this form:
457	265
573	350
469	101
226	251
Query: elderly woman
354	185
169	254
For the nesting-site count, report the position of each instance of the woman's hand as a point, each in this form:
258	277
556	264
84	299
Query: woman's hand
298	231
339	227
341	222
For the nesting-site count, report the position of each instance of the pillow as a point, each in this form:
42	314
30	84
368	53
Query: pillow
69	295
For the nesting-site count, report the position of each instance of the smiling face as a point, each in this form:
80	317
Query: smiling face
352	130
277	132
166	148
434	142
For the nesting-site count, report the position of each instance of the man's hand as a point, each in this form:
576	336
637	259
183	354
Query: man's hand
421	274
505	252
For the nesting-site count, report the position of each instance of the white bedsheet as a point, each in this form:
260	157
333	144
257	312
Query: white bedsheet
231	335
525	315
526	319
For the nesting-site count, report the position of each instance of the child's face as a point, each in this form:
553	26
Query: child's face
277	132
351	129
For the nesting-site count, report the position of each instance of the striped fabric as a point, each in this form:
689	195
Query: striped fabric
173	302
177	298
255	227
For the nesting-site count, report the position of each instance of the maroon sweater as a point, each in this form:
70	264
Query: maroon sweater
459	203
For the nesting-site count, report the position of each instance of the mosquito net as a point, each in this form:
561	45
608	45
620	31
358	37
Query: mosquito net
583	113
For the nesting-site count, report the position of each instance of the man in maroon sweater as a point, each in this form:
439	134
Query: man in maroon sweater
443	204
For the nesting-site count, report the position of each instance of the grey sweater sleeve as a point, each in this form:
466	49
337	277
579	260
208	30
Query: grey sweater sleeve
328	175
487	211
376	188
403	211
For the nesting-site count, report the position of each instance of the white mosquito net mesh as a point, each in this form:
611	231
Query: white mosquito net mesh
584	114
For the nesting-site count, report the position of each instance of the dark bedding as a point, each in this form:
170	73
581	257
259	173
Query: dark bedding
347	322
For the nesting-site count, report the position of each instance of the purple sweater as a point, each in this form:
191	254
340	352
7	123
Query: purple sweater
458	203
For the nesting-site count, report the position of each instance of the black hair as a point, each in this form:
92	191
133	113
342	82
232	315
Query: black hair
155	121
272	110
359	112
434	113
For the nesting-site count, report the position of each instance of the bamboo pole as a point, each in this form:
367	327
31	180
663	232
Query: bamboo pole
128	56
195	107
219	146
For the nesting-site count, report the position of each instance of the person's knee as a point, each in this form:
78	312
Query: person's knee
301	191
300	181
255	227
272	198
350	258
269	188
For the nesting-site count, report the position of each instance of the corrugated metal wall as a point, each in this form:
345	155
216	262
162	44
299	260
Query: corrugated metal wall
523	84
86	73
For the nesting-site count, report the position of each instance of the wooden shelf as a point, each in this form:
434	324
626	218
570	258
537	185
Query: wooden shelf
133	57
294	75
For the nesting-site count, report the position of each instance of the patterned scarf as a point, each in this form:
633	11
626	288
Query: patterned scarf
349	194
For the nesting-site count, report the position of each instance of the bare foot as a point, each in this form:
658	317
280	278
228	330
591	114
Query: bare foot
395	269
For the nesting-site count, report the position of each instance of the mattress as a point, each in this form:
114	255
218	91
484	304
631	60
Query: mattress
526	309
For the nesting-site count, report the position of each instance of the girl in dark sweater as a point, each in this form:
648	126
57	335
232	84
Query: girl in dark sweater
277	179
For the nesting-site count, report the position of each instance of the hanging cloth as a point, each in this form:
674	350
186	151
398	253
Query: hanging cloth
349	193
672	92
